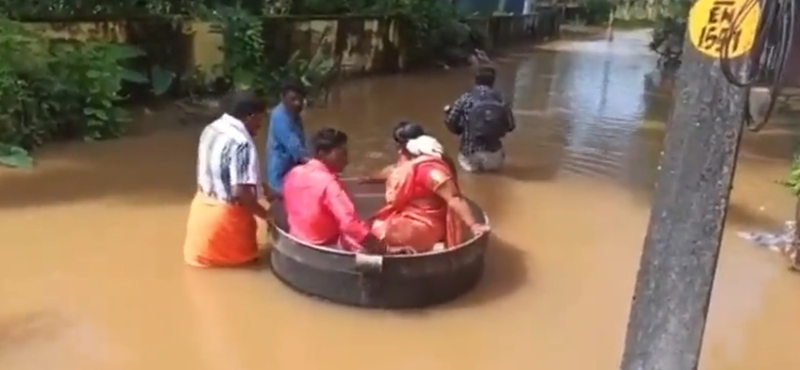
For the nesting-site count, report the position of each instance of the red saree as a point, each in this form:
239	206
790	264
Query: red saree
414	215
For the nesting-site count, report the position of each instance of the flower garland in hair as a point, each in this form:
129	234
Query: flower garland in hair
425	145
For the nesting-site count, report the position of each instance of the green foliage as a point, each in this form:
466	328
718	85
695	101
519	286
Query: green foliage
60	89
243	46
792	181
432	30
669	32
84	8
246	64
597	11
74	9
667	41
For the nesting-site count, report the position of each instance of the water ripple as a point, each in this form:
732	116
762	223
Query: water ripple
591	99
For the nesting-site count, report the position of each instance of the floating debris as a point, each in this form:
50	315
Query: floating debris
782	242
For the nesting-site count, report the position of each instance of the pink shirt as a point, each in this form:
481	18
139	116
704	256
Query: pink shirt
318	209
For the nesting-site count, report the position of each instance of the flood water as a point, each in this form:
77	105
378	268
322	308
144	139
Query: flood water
92	276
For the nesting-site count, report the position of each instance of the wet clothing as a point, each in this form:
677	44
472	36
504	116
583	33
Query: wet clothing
318	209
414	215
482	161
220	232
458	119
286	145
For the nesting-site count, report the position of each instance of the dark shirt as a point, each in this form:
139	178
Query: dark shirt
458	116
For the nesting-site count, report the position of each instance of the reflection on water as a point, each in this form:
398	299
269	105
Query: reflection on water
92	275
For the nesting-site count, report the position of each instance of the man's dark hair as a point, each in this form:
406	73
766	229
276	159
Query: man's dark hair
485	76
294	86
244	103
328	139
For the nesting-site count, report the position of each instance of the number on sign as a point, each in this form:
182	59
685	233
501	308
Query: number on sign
711	26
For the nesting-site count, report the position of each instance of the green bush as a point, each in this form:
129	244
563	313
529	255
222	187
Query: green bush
51	89
433	31
792	180
247	66
63	89
60	89
669	32
597	11
667	40
88	8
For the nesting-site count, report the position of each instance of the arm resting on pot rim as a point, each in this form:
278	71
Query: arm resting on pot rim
247	198
449	192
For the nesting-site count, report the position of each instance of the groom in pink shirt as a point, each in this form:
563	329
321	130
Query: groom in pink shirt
318	209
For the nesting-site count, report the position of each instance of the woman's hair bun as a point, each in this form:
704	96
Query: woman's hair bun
406	130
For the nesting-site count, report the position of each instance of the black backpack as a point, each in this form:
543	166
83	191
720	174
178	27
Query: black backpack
487	116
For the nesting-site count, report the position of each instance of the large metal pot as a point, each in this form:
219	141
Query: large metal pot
396	281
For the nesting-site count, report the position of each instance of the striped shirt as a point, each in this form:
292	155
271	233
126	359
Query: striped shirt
226	156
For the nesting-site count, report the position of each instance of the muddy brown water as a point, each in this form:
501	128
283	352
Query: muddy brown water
91	273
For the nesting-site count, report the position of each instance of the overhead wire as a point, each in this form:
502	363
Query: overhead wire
773	42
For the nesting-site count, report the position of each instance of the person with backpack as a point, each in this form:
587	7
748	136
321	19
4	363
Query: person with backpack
481	117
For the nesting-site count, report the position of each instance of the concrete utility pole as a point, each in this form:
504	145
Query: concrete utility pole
676	272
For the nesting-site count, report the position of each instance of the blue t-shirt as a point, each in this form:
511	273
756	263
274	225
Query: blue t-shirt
286	145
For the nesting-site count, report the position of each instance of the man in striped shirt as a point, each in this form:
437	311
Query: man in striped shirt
221	230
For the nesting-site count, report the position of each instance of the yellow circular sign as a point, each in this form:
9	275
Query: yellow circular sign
710	20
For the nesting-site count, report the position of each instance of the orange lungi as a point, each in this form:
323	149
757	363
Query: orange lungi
219	234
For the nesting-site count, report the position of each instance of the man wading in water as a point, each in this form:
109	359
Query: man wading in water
481	117
286	143
221	230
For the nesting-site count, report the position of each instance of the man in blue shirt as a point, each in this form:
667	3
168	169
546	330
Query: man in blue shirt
286	144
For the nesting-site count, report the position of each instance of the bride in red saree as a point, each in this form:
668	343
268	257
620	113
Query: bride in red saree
424	205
